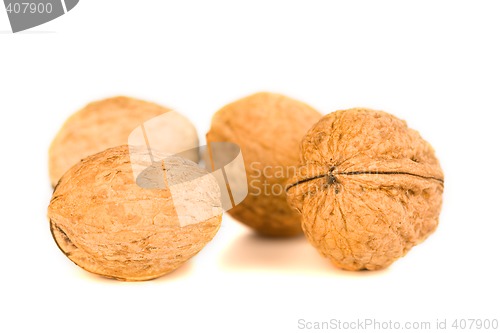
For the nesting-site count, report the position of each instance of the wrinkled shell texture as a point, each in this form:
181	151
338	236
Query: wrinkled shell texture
101	125
369	188
108	225
268	128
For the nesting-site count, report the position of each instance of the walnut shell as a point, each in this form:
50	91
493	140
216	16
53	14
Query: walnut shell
107	224
268	128
108	123
369	188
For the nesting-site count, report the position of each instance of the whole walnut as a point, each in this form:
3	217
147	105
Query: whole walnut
268	128
369	188
108	123
113	225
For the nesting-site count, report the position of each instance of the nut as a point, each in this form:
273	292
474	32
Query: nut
268	128
108	123
107	224
369	188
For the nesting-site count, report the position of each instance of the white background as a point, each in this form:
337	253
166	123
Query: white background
434	63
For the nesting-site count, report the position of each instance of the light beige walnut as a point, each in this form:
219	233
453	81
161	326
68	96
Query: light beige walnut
108	123
268	128
111	224
369	188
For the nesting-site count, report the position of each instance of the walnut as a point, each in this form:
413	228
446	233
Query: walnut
108	123
369	188
268	129
111	225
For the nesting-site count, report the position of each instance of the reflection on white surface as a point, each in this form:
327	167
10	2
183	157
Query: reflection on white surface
250	252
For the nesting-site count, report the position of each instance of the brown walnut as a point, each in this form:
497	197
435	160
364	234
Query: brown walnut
108	123
268	128
107	224
369	188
